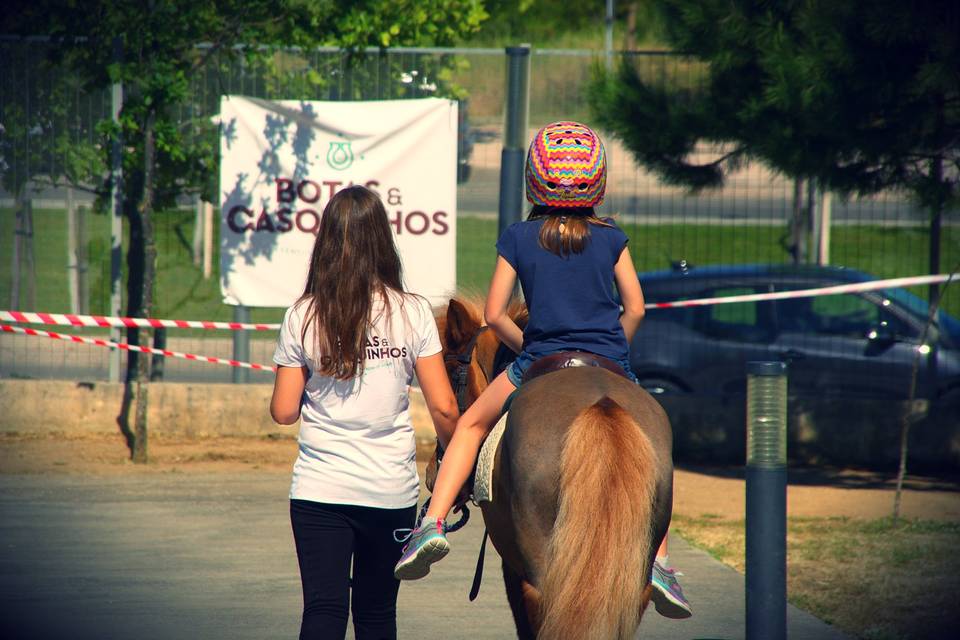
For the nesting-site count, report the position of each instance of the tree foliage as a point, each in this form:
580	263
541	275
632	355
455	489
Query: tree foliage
155	48
860	96
151	47
555	24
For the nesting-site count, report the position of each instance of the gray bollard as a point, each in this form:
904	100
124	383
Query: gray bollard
766	527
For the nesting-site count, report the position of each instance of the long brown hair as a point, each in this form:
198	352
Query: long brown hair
565	230
354	260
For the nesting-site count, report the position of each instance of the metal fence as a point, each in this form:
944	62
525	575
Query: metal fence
745	221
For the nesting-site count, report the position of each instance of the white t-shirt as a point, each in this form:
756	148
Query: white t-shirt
356	442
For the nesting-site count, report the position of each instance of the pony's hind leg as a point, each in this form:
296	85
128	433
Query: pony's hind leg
520	598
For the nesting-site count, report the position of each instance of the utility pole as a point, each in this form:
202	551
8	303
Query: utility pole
608	35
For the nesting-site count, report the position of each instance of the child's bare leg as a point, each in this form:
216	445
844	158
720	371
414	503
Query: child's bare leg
662	551
462	452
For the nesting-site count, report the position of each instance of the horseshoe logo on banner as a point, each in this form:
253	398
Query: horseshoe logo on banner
339	155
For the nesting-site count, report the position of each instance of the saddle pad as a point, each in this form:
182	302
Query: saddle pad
483	481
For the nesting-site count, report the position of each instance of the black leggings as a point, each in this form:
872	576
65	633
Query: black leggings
327	536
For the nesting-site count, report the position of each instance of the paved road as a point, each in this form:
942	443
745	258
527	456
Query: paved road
171	556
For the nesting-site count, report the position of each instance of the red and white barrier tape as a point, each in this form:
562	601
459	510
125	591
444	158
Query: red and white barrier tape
130	347
112	321
855	287
72	320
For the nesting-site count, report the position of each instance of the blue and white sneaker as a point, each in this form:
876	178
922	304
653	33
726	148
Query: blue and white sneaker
425	545
667	595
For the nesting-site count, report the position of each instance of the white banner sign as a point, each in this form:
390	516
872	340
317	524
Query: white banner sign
281	161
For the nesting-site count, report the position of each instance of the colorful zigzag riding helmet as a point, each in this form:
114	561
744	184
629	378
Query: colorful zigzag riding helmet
566	166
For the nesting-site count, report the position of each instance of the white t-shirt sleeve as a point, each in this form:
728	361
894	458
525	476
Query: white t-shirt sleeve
428	343
289	351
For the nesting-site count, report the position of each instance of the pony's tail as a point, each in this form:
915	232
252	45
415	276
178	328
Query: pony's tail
600	549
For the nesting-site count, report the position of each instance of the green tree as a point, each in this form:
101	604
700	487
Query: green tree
863	97
555	24
152	48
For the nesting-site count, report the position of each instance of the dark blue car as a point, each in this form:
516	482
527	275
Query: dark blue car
857	345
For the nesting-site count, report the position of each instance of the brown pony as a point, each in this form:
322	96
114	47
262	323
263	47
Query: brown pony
582	491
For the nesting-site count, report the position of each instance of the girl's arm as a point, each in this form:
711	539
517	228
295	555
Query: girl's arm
631	296
287	393
498	298
441	403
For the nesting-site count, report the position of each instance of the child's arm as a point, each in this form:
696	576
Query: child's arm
631	296
288	393
498	298
441	403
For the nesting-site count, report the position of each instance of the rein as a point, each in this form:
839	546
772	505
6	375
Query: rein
461	368
462	362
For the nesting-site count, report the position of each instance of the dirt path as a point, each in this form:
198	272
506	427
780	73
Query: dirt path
698	491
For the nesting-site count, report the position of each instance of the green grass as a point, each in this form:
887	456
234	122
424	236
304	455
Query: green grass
871	578
881	251
182	292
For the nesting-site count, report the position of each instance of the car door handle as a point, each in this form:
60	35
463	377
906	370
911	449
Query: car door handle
792	354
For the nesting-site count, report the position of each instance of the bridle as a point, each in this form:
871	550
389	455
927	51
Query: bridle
461	362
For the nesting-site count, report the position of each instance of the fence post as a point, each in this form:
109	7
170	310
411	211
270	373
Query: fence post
766	526
514	136
241	345
825	218
197	244
207	240
83	260
73	270
158	362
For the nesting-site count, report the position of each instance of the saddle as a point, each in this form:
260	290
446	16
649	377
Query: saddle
569	359
481	479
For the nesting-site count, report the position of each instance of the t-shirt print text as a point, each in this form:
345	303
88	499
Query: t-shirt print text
379	348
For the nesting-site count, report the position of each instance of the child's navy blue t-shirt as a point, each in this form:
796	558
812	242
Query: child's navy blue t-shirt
571	298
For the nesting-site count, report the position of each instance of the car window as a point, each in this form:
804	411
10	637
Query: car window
844	315
738	321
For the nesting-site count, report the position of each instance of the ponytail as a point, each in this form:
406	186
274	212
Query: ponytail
565	230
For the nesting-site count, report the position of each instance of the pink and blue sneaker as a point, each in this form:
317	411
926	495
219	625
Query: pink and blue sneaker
425	545
667	595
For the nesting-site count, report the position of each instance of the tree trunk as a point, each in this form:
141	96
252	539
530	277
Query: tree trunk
149	273
795	240
17	242
133	186
28	256
910	414
631	40
936	224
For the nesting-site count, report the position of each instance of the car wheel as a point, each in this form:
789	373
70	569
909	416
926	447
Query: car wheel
659	387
